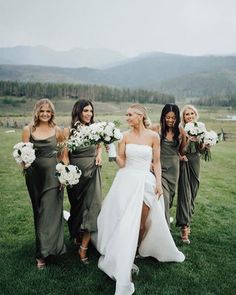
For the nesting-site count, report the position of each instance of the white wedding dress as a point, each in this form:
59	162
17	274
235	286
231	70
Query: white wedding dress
119	221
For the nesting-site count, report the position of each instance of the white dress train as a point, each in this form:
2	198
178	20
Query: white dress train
120	216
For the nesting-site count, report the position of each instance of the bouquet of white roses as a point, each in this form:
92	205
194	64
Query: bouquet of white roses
210	139
23	152
195	132
68	174
195	129
95	133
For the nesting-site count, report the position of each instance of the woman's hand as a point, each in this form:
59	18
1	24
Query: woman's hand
183	158
159	191
193	138
99	160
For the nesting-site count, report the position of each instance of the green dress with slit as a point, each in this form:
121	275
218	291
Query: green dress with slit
46	197
170	172
86	196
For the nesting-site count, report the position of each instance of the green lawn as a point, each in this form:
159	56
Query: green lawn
210	265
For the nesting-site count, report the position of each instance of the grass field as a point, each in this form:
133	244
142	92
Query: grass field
210	265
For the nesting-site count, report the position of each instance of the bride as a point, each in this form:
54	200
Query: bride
132	214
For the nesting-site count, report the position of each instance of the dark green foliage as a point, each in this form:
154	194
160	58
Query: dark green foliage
76	91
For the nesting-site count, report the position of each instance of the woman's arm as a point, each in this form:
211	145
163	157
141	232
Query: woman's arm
99	155
157	163
183	143
121	158
26	134
64	155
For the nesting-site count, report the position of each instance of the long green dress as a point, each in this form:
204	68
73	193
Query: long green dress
188	186
85	197
46	198
170	172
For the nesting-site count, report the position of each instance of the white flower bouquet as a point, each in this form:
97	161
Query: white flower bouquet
210	139
195	129
68	174
23	152
195	132
95	133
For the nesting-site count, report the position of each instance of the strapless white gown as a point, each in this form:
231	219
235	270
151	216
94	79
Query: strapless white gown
119	221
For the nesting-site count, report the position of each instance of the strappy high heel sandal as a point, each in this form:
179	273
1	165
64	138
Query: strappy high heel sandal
40	263
84	259
184	235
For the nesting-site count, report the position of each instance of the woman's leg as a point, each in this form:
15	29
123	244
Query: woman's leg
144	216
84	247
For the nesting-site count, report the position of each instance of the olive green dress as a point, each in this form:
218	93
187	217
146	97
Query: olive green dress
86	196
46	198
170	172
188	186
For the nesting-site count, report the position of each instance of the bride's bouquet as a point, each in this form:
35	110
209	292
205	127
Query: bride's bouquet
23	152
68	174
95	133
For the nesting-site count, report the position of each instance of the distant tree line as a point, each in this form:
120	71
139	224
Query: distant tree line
80	91
228	100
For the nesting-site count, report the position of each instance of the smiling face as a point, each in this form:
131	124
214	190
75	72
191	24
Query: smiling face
87	114
170	119
189	115
45	113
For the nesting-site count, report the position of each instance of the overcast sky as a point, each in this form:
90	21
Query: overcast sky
193	27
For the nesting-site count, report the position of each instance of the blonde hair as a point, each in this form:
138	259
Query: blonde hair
37	109
183	110
139	109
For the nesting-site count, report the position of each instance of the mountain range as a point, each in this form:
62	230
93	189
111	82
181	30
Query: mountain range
183	76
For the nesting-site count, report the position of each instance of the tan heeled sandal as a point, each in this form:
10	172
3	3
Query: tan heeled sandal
184	235
84	259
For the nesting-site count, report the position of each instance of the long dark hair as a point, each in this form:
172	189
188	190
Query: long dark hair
169	107
76	114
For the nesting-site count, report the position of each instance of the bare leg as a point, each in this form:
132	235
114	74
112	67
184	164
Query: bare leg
84	247
144	216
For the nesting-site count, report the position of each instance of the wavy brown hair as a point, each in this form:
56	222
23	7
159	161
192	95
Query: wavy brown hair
37	109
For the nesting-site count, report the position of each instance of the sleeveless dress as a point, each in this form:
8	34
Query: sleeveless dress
120	216
169	172
86	196
188	186
46	198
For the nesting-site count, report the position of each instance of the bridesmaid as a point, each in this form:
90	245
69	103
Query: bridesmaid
85	197
43	187
189	177
172	141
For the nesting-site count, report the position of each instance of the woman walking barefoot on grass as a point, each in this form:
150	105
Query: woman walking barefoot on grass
43	187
